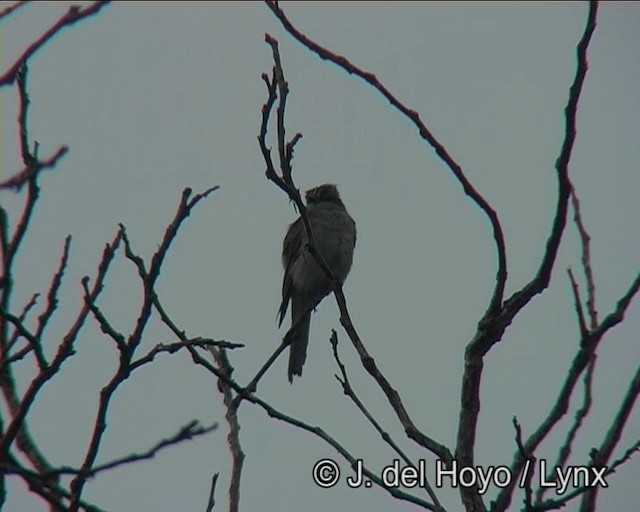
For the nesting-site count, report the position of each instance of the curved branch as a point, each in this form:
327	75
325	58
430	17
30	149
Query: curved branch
73	15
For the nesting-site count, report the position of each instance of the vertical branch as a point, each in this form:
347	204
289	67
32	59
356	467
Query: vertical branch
586	260
17	428
231	415
491	328
585	332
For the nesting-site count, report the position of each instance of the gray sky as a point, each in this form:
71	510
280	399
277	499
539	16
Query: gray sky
152	99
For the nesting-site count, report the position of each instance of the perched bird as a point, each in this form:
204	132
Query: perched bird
305	283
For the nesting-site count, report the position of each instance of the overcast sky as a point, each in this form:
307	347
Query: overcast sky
154	98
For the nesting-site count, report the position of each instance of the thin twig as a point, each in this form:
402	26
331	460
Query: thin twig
586	259
188	432
584	331
74	14
531	459
12	8
65	349
350	392
23	316
600	457
128	348
233	438
212	493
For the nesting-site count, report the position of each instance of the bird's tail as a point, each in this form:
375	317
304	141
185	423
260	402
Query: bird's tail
298	348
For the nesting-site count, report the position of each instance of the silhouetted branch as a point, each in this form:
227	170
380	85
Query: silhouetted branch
74	14
233	438
349	391
65	349
530	459
581	414
12	8
128	347
188	432
492	328
582	359
22	316
212	493
585	242
21	178
600	457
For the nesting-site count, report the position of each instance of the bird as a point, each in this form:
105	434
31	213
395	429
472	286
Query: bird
305	284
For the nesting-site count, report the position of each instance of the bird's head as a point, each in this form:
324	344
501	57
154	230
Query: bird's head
324	193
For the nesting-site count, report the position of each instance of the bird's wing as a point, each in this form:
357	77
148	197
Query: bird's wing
291	250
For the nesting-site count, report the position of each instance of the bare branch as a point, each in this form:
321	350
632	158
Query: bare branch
128	348
492	327
73	15
349	391
286	341
212	494
530	458
45	487
29	161
580	416
601	456
104	324
582	359
21	178
317	431
12	8
541	280
626	457
188	432
23	316
585	240
65	350
34	342
617	315
584	331
233	438
54	288
571	495
172	348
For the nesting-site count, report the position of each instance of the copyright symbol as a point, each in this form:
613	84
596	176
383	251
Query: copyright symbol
326	473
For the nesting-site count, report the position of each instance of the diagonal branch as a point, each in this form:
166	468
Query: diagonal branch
600	457
65	349
21	178
350	392
54	288
187	432
73	15
12	8
580	362
541	280
585	240
128	348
